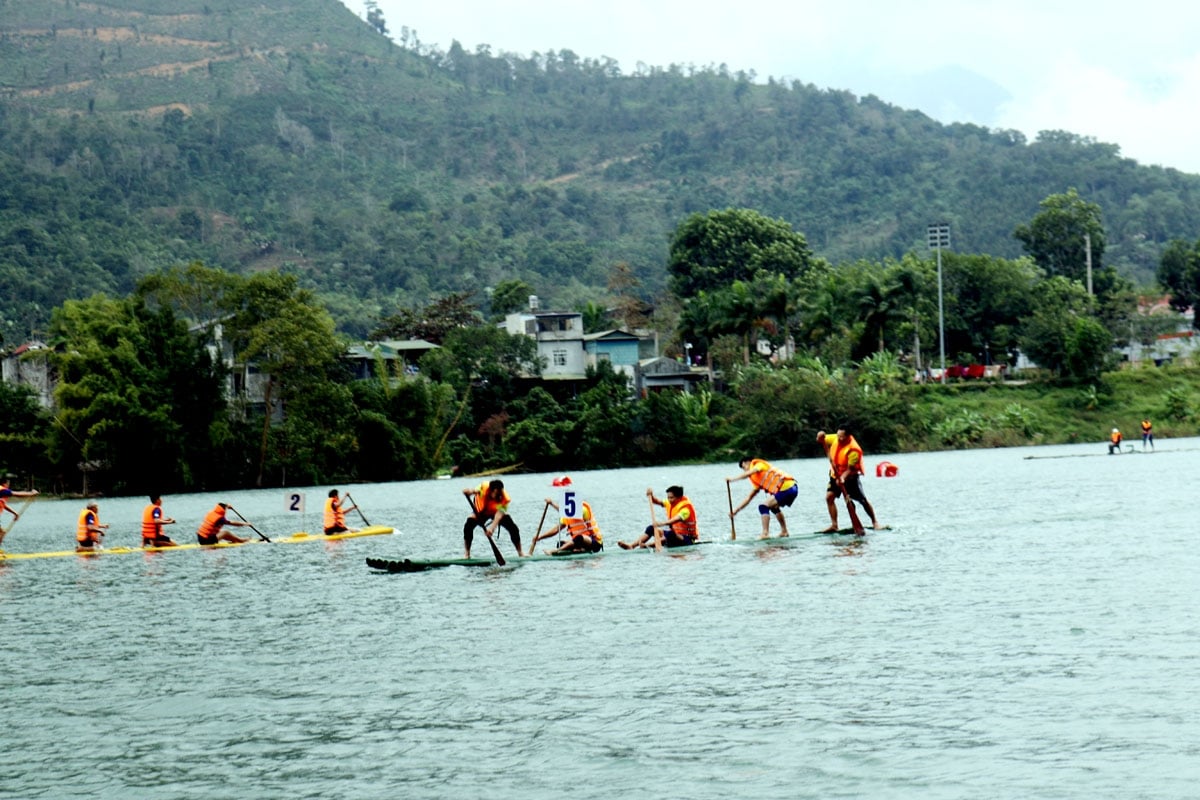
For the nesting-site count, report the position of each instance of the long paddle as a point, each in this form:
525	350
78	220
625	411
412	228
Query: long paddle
20	513
243	519
538	533
732	527
654	527
488	536
359	510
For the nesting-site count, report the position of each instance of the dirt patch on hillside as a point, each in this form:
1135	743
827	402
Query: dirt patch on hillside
119	35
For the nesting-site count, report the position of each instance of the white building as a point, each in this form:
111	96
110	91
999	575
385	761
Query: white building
559	336
28	365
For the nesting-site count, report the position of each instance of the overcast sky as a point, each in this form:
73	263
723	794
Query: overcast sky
1126	73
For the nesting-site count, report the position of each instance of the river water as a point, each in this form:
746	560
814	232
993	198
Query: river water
1027	628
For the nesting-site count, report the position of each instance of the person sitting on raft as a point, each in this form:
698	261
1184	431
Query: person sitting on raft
680	527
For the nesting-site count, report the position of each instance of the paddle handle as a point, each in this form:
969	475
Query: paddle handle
486	535
732	526
359	510
250	524
17	518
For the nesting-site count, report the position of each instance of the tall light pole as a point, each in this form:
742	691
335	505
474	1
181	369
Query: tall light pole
939	237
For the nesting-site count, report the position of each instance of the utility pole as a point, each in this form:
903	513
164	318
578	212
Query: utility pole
1087	246
939	237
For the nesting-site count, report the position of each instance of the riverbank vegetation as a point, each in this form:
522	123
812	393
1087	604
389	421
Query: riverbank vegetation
325	185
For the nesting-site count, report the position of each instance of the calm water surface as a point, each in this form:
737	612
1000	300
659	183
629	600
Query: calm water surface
1028	629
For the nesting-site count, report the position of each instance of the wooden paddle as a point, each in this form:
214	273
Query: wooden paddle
538	533
488	536
359	510
16	519
654	527
732	527
243	519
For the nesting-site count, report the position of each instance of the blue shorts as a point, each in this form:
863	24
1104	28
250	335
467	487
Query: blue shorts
787	496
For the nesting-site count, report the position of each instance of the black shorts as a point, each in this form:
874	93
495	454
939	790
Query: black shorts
207	540
336	529
673	539
854	488
586	544
160	542
833	489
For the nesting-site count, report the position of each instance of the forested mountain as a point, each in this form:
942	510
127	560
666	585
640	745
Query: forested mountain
289	134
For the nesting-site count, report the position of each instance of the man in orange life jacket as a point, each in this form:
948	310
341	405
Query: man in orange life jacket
89	531
833	491
1114	442
335	515
1147	435
152	524
679	529
580	525
848	463
781	492
210	529
491	512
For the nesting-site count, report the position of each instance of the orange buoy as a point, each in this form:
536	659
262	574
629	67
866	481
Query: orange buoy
886	469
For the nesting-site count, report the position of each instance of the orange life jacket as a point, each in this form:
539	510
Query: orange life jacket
151	527
842	456
212	522
1116	437
583	526
770	479
1146	426
334	516
685	527
83	532
488	505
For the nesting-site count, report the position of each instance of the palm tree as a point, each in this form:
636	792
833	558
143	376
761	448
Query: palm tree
879	301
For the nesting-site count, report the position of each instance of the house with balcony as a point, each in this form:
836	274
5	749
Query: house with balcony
559	337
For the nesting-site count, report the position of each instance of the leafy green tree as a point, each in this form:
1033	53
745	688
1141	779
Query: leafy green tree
24	432
434	322
603	417
1057	236
1179	274
1061	334
880	301
711	251
482	364
1089	348
761	309
279	327
595	317
138	396
985	300
827	318
510	296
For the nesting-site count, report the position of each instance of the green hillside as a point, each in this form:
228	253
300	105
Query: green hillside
138	134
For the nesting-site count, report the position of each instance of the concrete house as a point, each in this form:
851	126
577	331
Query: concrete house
559	336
